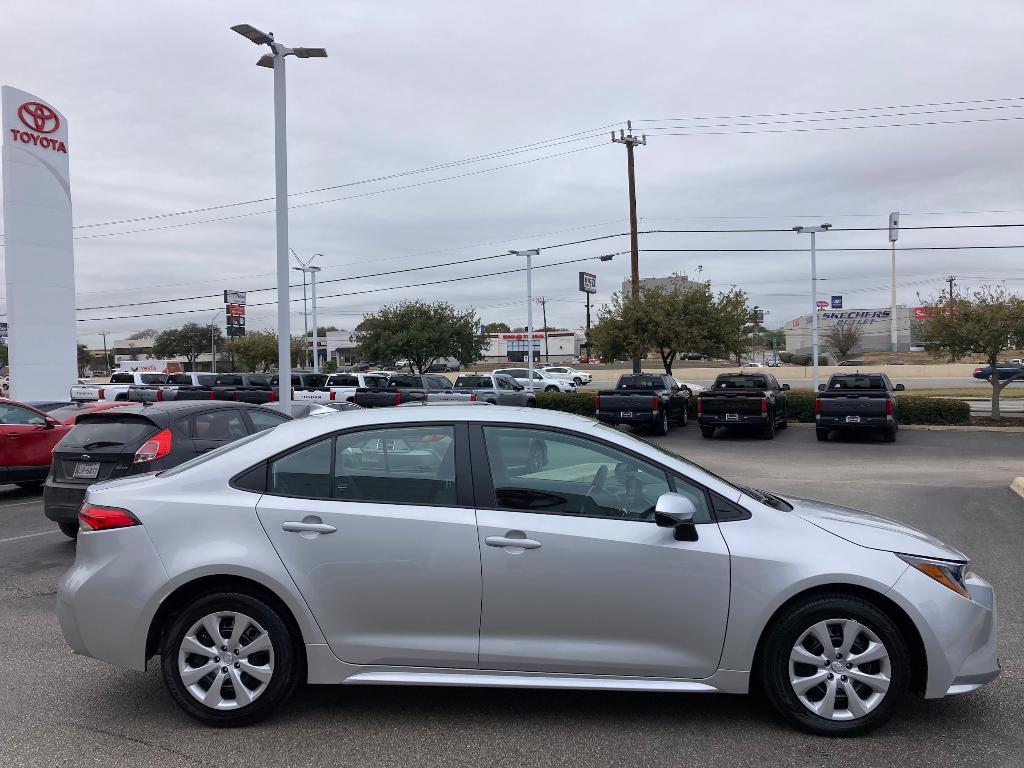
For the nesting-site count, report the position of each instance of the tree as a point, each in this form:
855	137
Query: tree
497	328
189	341
985	322
664	321
731	316
256	351
421	332
842	339
147	333
84	359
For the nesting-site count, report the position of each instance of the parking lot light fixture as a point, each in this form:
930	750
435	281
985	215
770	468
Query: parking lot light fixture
814	295
312	279
276	61
529	307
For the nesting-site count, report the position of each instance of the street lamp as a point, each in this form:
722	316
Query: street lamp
275	60
814	293
304	268
529	306
213	343
316	353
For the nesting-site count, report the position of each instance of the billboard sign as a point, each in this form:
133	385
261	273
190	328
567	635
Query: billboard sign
234	297
588	282
837	302
39	253
822	304
894	226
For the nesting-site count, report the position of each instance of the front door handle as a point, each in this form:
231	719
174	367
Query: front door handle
503	541
293	526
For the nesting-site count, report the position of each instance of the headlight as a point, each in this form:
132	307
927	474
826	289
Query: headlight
949	573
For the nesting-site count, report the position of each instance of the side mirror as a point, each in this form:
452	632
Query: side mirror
675	511
785	387
50	423
821	387
899	388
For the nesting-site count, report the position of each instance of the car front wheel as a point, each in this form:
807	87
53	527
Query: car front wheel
835	665
551	389
229	659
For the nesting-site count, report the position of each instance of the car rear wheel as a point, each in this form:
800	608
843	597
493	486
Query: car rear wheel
835	666
822	434
708	432
30	485
229	659
69	529
660	427
551	389
889	435
768	430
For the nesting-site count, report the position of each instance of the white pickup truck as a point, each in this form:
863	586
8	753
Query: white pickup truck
343	386
117	387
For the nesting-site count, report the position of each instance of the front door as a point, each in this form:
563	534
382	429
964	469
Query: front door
26	440
577	578
379	535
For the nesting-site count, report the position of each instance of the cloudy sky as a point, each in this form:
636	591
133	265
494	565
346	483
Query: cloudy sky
168	114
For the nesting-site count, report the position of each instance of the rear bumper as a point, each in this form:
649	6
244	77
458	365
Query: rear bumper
866	422
959	635
720	420
61	502
638	417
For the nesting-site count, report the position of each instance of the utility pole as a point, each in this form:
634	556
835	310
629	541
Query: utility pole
529	254
544	314
213	343
894	232
106	360
316	336
815	347
634	248
952	282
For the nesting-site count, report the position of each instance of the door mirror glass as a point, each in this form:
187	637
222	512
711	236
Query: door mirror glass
899	388
673	510
785	387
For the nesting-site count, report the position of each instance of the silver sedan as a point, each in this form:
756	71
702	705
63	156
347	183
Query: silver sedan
511	547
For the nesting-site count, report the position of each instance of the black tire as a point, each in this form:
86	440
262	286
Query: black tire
707	432
551	389
30	485
889	435
577	381
768	430
287	664
822	434
683	417
774	668
531	403
660	427
783	424
69	529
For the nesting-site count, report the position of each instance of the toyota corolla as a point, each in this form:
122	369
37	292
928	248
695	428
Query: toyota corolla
431	547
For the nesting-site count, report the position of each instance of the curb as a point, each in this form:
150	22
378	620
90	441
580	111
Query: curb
1017	486
941	428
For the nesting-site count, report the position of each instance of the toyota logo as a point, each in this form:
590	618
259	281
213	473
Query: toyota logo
38	117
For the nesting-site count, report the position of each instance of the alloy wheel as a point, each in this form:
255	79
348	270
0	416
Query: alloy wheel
839	669
226	660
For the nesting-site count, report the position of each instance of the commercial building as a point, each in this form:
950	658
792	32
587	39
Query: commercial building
681	282
874	324
560	346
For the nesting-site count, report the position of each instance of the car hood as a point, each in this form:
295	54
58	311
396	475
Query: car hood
871	531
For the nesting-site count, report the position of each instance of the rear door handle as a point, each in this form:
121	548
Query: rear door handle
503	541
293	526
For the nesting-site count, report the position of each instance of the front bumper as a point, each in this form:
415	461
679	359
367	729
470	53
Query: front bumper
959	635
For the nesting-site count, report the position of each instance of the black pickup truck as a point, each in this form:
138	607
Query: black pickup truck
644	399
744	399
240	387
409	388
857	401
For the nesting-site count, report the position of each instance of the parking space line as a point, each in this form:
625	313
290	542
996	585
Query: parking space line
21	503
28	536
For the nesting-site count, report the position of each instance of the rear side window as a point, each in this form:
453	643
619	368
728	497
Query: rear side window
405	381
94	432
305	473
122	378
153	378
479	382
343	380
223	424
229	381
179	378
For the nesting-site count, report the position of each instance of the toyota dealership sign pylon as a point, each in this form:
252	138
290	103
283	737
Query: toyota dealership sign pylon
38	252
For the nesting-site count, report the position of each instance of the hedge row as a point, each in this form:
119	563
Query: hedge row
913	409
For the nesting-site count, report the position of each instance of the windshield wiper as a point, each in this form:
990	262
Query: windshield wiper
100	444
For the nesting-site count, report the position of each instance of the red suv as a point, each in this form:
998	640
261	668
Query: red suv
28	435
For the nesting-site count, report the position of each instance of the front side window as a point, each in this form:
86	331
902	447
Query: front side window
536	470
504	382
14	414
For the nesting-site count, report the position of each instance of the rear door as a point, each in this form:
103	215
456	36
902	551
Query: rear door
378	530
216	427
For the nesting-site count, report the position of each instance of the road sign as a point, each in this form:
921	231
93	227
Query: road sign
822	305
234	297
837	302
588	282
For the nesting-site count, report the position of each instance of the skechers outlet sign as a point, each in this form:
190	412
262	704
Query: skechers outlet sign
38	120
858	317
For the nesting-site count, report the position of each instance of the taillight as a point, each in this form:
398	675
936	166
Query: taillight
700	406
597	401
764	406
472	397
890	406
398	398
99	395
273	396
817	406
105	518
159	395
655	403
158	446
332	395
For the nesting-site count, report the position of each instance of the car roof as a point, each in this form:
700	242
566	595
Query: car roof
183	406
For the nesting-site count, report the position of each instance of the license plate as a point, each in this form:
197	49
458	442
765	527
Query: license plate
626	414
86	470
732	417
852	419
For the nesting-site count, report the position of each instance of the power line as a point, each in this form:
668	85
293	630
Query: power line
820	250
843	127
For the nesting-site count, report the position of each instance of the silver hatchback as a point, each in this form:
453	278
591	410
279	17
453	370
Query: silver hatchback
511	547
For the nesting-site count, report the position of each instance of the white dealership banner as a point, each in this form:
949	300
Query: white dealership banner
38	251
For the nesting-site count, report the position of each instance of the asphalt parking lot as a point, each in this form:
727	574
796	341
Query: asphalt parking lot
57	709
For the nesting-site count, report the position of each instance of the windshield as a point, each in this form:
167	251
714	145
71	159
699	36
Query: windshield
641	382
856	382
742	382
122	378
108	432
205	457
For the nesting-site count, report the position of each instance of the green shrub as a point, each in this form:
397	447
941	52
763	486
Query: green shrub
789	357
801	405
581	403
918	409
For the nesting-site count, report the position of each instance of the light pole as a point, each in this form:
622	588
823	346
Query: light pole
275	61
213	343
106	360
814	294
894	233
304	268
529	306
316	352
